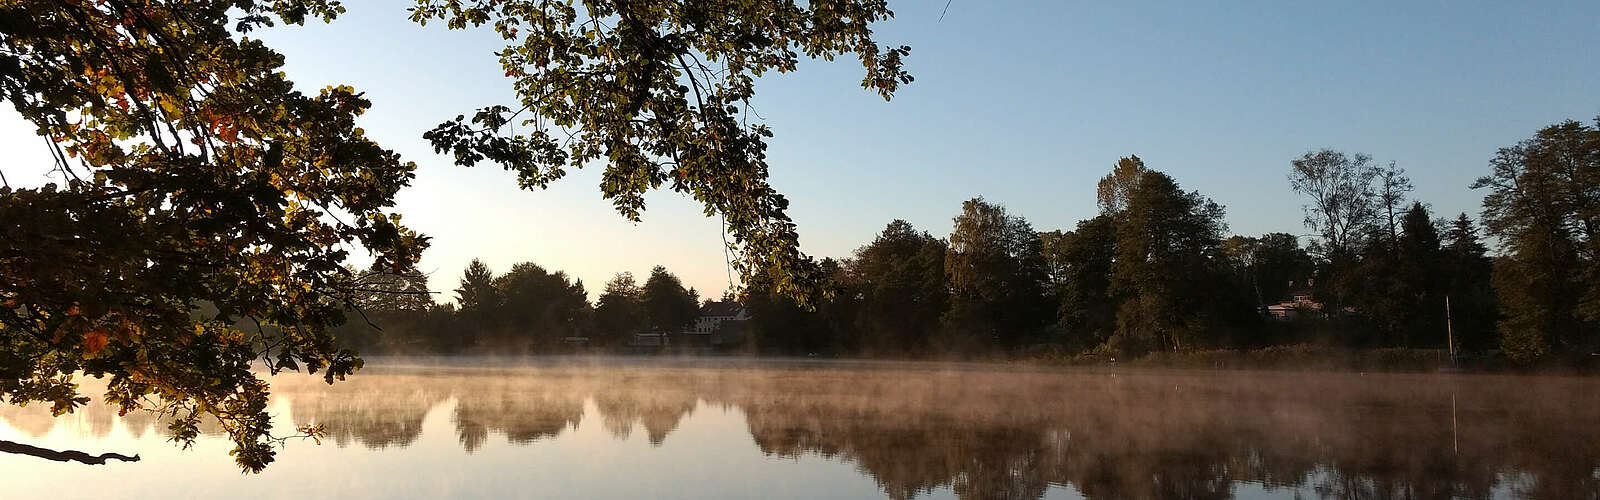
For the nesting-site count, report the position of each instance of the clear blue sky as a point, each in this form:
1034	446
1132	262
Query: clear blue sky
1024	103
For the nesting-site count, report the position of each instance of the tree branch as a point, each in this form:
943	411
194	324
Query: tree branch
63	456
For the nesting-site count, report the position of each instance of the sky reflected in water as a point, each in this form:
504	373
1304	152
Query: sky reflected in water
620	428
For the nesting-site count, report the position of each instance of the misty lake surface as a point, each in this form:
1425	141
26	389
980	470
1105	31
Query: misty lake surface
729	428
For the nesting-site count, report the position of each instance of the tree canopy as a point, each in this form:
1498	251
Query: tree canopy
900	277
203	207
1166	266
996	274
1342	199
667	306
659	91
1543	203
619	310
1149	275
1080	270
189	171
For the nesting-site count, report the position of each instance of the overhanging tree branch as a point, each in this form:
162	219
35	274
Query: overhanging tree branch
63	456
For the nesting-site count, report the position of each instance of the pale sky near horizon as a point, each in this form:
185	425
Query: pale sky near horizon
1025	103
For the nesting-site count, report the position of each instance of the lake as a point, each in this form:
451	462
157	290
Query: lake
728	428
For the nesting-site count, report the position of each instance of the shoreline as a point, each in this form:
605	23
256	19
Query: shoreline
1286	358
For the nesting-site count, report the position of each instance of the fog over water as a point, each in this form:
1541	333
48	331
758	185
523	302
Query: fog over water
648	428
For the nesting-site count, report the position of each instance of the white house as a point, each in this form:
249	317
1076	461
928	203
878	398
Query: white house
713	314
719	323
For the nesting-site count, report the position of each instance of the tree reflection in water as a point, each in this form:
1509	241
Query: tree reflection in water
989	433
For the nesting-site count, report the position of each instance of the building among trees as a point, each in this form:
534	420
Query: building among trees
720	323
1298	302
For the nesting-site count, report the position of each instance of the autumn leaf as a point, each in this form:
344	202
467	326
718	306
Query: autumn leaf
94	342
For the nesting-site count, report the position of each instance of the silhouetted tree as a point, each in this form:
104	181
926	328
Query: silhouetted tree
387	306
437	330
1398	287
1343	201
780	325
539	307
841	308
1395	284
619	310
900	279
477	290
1274	265
1391	189
1343	209
667	305
478	302
1422	267
1468	270
384	291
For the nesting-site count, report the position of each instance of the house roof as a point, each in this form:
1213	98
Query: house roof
720	308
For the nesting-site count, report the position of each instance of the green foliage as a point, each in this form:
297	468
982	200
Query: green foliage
780	325
658	91
1531	313
1080	274
1377	258
1117	187
192	172
1166	268
996	276
1543	204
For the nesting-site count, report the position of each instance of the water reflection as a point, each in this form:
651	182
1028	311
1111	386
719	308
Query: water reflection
980	433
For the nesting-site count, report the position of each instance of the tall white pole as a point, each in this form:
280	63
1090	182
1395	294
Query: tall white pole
1449	329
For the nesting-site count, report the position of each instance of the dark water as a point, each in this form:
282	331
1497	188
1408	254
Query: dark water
607	428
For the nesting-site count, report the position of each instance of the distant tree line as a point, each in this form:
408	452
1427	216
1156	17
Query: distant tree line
1154	270
526	309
